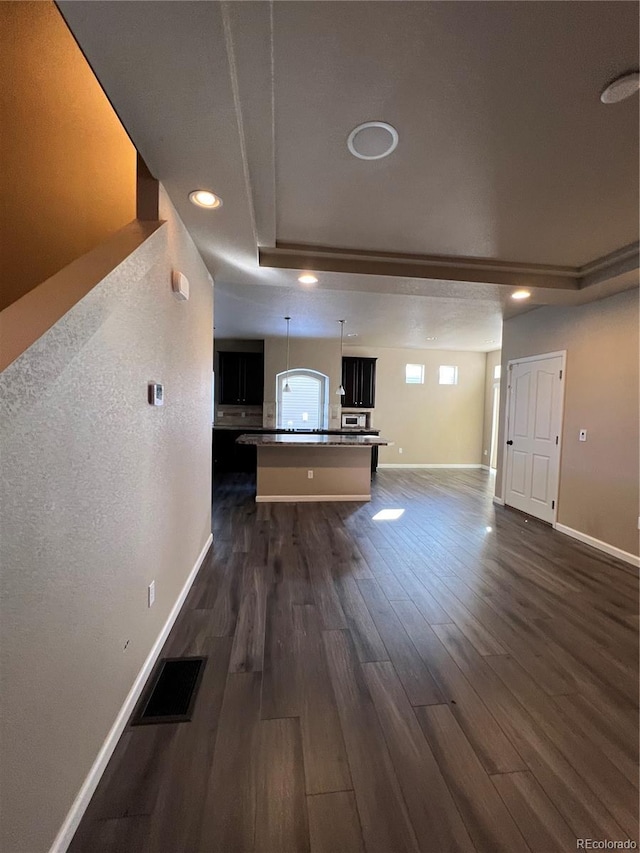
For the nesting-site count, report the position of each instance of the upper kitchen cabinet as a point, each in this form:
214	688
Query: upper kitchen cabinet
359	382
241	378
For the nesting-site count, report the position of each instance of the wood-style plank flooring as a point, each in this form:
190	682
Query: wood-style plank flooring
461	678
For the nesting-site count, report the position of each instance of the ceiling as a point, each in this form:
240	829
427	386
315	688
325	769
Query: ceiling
508	171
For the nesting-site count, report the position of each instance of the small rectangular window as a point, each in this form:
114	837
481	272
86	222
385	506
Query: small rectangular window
448	374
497	370
414	374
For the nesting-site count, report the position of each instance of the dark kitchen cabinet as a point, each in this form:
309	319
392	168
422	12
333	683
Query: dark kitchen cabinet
241	378
231	457
359	382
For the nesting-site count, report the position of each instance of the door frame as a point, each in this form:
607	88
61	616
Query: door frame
495	423
540	357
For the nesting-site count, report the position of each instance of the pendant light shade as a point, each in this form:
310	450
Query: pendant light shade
287	388
340	389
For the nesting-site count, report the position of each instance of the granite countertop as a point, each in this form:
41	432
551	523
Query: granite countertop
240	427
312	440
272	431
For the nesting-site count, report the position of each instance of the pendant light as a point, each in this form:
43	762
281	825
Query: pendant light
340	390
287	387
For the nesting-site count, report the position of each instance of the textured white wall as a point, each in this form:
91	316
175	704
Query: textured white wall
101	493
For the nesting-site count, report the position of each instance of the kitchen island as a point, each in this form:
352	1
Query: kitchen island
310	467
232	458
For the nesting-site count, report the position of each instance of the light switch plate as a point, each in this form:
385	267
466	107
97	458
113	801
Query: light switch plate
180	285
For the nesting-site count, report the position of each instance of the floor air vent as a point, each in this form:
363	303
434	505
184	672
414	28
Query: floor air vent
171	696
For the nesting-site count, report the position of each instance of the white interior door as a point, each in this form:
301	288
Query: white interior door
533	435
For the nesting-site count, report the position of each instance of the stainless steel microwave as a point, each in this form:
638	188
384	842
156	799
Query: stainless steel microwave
354	421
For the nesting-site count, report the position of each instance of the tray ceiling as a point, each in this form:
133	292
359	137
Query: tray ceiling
505	151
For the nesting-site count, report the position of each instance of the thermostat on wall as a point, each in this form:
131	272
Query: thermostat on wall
180	284
156	394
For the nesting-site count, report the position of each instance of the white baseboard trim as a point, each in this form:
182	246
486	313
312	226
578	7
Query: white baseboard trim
601	546
427	465
486	467
77	810
498	501
287	499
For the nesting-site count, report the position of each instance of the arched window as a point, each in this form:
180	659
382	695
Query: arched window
306	406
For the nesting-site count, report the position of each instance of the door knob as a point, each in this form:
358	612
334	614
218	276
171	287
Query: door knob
509	442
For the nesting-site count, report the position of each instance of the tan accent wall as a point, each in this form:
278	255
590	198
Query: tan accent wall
336	471
493	359
319	354
101	493
433	424
68	176
598	478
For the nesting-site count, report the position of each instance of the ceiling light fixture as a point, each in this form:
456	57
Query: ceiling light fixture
520	294
621	88
372	140
340	390
352	334
287	388
432	338
204	198
307	278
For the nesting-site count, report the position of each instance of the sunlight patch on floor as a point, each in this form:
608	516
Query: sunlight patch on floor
388	515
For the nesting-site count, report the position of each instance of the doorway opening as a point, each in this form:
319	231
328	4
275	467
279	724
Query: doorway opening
495	414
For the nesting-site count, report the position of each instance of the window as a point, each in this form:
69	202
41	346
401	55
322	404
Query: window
448	374
414	374
306	405
497	370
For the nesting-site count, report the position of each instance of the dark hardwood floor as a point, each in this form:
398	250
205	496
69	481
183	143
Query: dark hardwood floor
461	678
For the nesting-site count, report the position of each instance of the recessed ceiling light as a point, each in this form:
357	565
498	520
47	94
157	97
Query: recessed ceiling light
307	278
352	335
433	338
372	140
490	341
204	198
620	88
520	294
